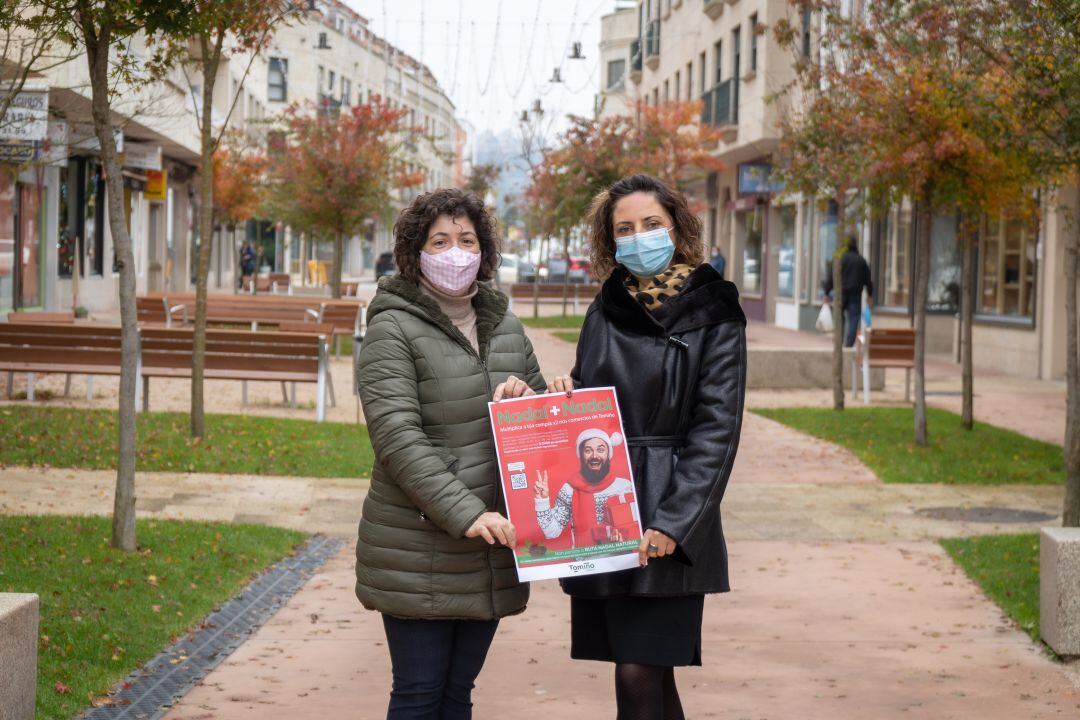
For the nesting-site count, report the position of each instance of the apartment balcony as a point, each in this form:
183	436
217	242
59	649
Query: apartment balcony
720	109
635	61
714	8
652	44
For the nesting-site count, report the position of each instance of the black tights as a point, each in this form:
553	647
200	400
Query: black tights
647	692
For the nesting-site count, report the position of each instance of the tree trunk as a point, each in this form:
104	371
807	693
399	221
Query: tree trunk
97	56
838	305
1071	514
922	289
210	59
335	272
967	312
566	276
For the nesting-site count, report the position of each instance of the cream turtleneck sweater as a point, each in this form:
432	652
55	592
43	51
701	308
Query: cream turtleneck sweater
458	308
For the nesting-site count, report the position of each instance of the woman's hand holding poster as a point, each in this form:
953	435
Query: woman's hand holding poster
568	485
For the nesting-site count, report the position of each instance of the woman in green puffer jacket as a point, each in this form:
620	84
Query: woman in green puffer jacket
433	552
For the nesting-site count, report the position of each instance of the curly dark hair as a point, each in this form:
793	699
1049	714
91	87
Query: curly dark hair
686	233
413	224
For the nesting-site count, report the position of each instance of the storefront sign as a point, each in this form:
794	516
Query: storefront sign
156	181
27	117
568	484
17	152
55	147
83	137
756	179
142	156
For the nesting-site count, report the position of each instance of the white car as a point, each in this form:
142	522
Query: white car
508	271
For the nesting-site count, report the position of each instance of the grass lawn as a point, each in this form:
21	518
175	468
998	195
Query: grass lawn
104	612
1006	567
570	336
554	322
77	438
882	438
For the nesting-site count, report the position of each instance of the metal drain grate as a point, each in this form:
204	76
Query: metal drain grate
985	514
151	690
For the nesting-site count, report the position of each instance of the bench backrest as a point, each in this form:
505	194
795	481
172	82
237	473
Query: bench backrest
41	317
891	345
240	350
342	314
526	291
244	309
41	344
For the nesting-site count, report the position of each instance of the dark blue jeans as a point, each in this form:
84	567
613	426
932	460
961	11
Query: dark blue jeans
435	664
852	315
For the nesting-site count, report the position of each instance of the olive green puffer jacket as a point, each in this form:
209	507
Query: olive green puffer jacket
425	393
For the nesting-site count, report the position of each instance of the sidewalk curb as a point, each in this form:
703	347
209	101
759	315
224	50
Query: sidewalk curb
148	692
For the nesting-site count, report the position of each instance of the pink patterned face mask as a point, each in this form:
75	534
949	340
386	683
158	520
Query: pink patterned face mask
453	271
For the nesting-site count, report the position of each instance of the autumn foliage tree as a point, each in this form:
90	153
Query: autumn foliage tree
1036	44
211	33
666	141
334	173
239	175
926	117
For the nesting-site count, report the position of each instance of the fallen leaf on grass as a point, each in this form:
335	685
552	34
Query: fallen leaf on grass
62	688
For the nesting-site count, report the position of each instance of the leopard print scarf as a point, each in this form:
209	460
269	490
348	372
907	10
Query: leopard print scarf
665	285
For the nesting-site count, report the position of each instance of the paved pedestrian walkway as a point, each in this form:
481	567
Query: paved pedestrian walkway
843	603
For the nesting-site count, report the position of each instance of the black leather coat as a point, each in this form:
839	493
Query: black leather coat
680	376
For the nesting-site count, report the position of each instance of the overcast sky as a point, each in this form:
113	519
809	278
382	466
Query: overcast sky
496	57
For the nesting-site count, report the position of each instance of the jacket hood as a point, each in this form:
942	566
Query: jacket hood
397	293
706	299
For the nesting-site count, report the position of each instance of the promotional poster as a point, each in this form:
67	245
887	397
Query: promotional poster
569	489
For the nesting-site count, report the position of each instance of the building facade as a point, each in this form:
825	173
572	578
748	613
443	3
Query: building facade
332	60
56	249
778	245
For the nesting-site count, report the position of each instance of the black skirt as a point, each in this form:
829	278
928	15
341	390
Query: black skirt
662	631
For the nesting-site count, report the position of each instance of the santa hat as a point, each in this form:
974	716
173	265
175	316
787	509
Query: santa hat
613	440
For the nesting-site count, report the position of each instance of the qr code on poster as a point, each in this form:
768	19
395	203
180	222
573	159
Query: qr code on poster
518	481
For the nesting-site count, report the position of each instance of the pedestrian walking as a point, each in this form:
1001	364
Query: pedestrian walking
433	552
718	261
854	276
668	333
247	261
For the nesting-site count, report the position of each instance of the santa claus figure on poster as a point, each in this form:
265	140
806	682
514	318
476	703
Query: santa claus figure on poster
599	506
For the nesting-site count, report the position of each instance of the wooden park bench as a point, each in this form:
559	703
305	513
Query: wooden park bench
346	315
76	348
537	293
885	348
238	355
270	282
158	310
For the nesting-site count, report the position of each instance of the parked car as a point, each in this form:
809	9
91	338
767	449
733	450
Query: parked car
526	271
556	269
580	270
384	265
508	271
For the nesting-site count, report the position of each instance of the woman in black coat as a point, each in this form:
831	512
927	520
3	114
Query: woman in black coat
668	333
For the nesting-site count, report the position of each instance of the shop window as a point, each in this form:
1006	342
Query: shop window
944	288
807	260
826	240
94	217
1006	267
894	261
785	265
8	264
30	247
751	261
66	246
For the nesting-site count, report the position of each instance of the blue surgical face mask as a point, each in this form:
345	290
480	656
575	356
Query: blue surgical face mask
645	254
